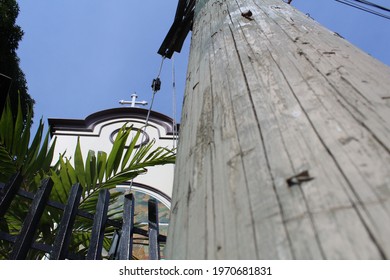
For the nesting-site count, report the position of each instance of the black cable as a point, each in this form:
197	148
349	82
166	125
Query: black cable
357	6
373	5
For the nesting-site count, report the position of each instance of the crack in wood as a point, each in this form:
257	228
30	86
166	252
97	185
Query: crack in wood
347	140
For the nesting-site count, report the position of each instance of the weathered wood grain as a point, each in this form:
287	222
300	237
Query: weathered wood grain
268	97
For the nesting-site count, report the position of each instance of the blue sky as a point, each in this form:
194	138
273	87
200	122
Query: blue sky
82	56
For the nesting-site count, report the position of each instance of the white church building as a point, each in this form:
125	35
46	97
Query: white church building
97	132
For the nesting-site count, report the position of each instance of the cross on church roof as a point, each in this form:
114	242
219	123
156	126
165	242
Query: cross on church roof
133	101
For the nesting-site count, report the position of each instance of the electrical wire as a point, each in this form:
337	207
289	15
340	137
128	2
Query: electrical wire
373	5
153	95
154	91
174	103
360	7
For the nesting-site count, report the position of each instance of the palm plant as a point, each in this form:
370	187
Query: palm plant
33	160
18	155
104	171
97	171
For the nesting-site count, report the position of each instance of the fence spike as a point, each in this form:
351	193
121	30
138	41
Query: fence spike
8	193
25	238
61	243
154	244
126	240
99	225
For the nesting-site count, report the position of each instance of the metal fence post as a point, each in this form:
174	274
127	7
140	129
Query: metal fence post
126	240
8	193
25	238
99	225
61	243
154	244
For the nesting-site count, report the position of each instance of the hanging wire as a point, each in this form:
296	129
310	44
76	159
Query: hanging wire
373	5
174	103
354	4
156	85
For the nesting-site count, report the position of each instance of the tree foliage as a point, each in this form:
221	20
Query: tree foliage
10	36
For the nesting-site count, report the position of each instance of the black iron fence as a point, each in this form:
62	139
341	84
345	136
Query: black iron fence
121	242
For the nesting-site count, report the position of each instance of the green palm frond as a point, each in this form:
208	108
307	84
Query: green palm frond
7	168
17	154
100	170
122	164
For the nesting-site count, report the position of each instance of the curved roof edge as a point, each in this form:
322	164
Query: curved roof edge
89	123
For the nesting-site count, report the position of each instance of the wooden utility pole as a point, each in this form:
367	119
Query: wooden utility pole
284	140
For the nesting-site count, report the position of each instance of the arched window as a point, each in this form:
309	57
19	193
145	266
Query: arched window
142	193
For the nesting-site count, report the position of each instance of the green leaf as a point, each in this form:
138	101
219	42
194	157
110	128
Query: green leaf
71	173
25	137
35	145
67	184
115	155
141	153
90	171
122	177
47	162
7	126
101	165
79	164
130	149
16	147
7	168
37	163
59	192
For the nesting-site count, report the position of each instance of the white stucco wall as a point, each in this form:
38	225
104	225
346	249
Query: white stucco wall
99	138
